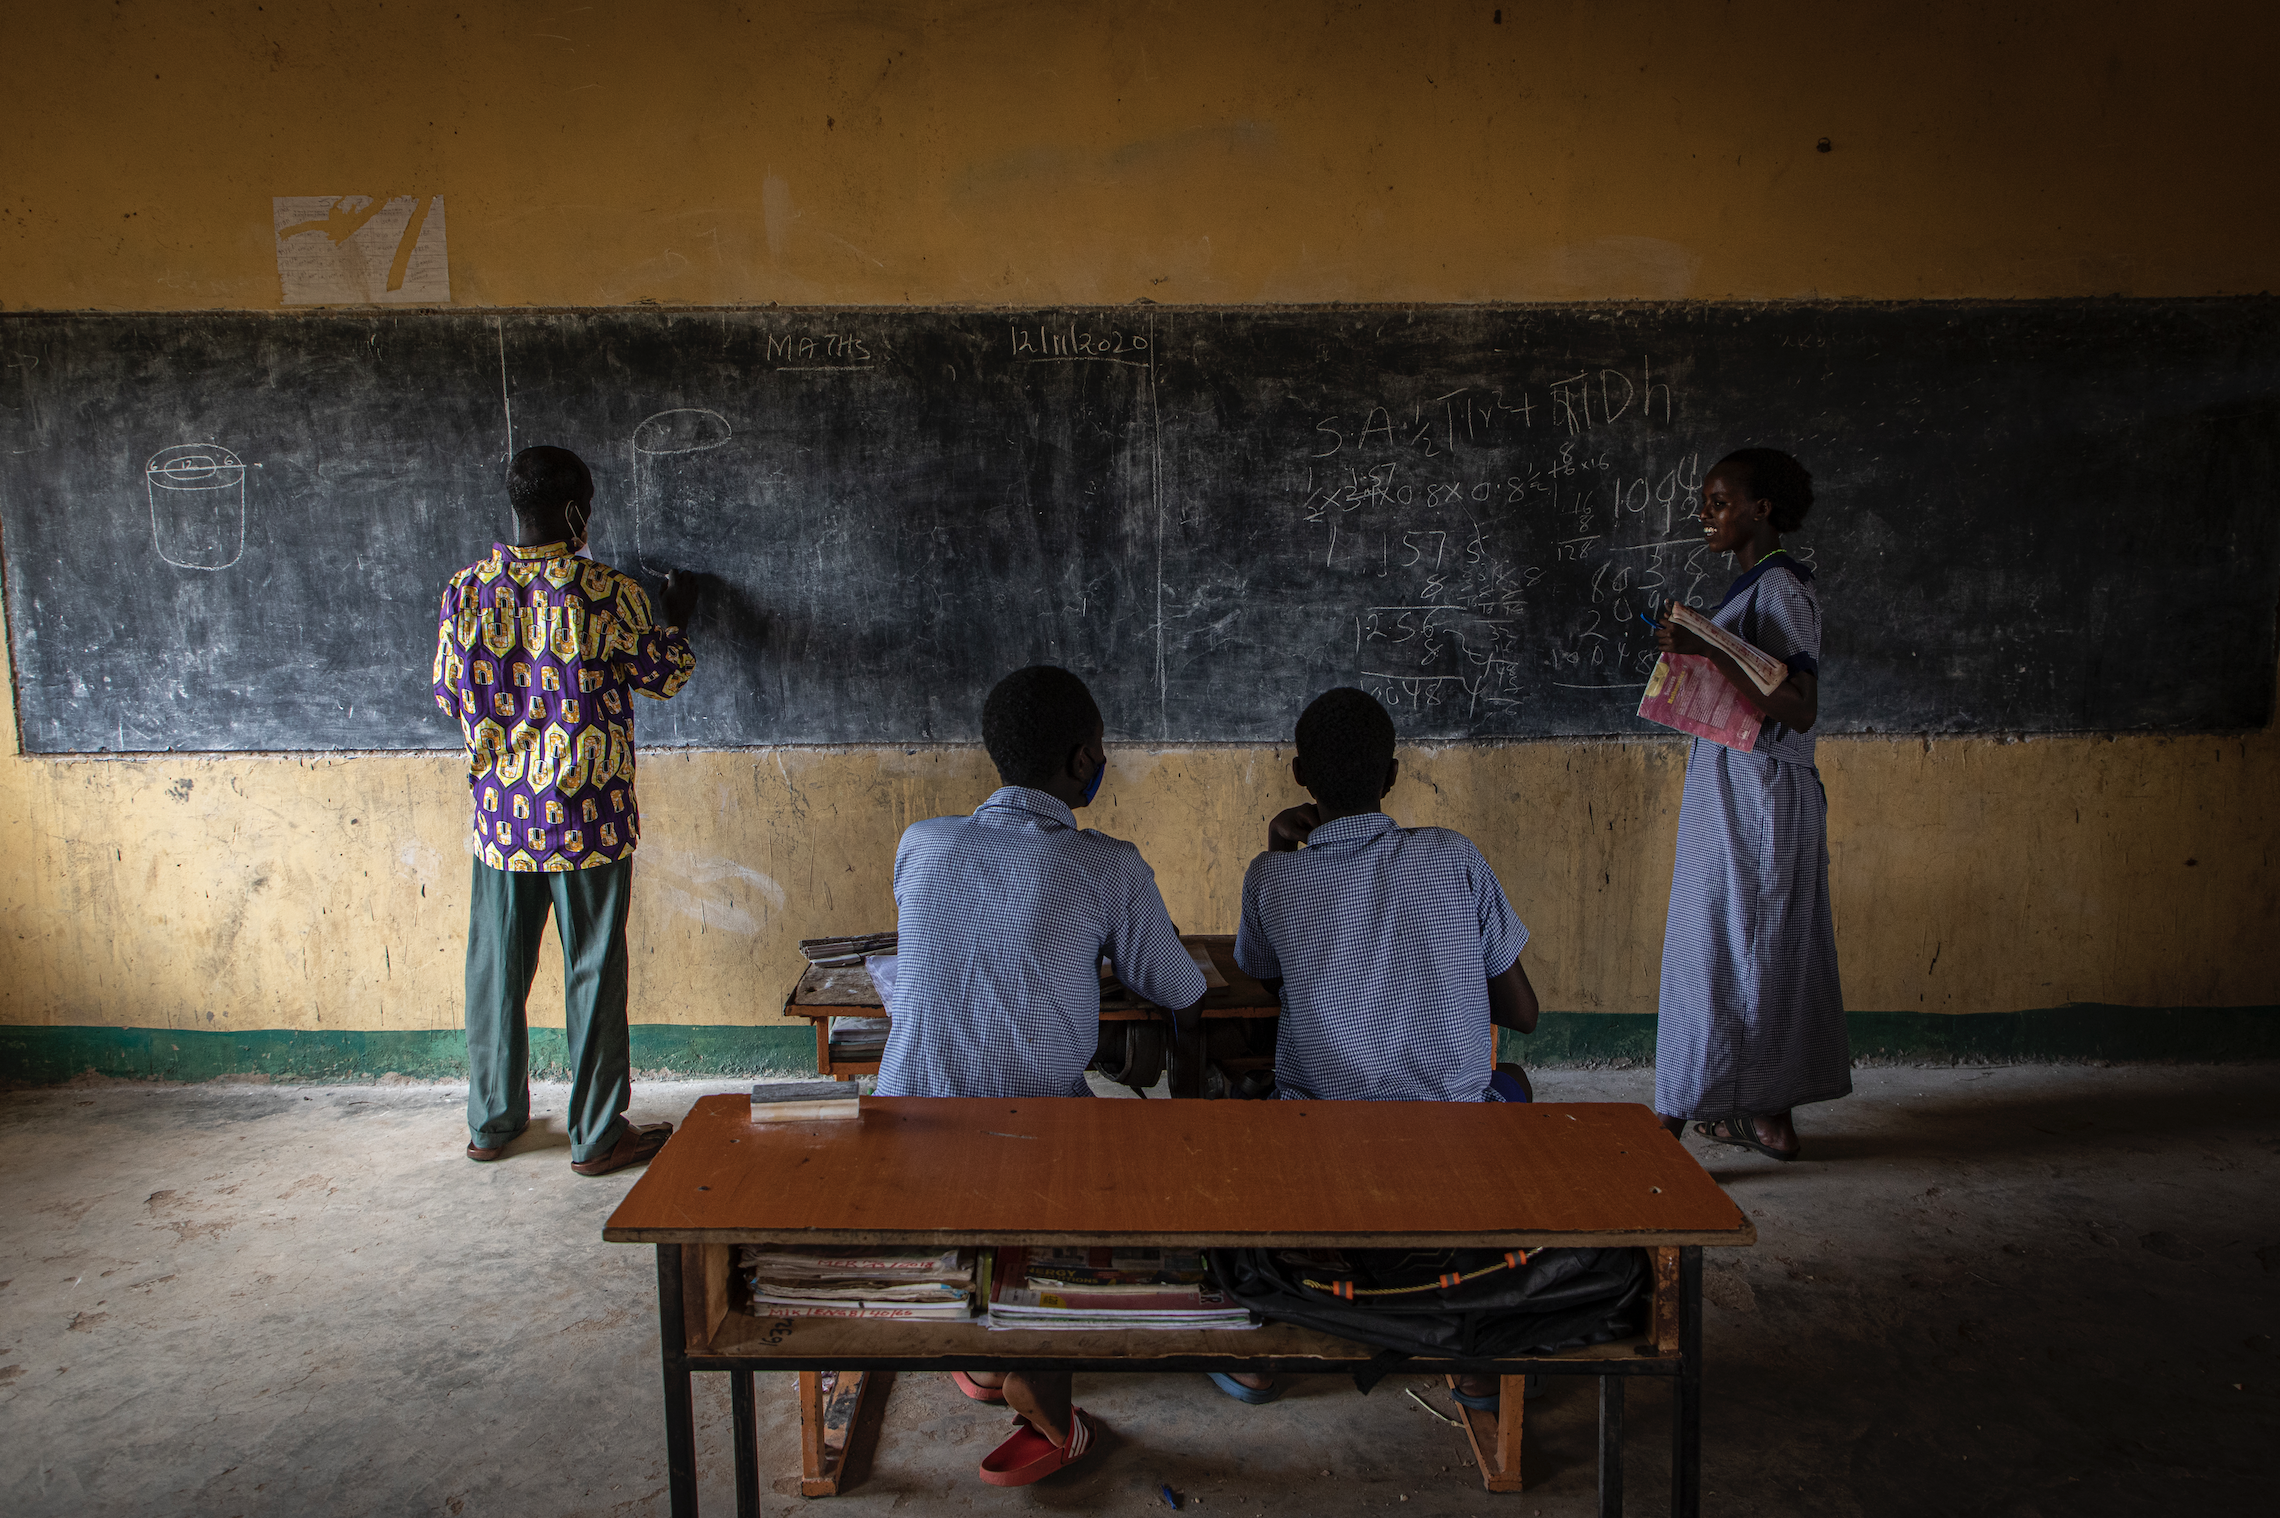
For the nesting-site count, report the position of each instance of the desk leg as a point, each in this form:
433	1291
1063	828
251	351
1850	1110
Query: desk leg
680	1418
832	1425
814	1480
1686	1395
1495	1437
1610	1447
746	1415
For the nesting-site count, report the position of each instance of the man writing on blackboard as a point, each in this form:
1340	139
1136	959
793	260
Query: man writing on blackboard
539	653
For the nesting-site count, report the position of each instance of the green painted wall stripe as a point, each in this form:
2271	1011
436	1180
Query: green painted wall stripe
40	1056
47	1056
2082	1031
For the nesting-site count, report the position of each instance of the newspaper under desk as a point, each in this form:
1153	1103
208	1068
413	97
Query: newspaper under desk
1196	1174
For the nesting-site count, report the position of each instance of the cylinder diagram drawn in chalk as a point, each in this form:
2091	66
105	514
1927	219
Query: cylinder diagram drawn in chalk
672	484
197	505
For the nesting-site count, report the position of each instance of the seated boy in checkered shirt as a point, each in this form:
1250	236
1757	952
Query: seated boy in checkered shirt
1004	917
1392	948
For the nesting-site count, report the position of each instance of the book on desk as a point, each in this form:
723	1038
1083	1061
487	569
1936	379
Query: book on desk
911	1282
1010	1288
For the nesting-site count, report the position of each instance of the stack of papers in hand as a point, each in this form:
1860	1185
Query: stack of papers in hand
1687	692
819	1281
1765	671
1115	1289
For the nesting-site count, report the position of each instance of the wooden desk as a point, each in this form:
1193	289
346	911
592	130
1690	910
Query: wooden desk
914	1170
846	991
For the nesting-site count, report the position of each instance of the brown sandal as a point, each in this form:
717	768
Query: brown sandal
637	1145
1741	1131
483	1156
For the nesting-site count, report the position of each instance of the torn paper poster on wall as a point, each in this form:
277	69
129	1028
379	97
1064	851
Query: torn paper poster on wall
353	250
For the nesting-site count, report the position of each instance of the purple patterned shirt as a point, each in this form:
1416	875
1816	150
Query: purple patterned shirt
537	653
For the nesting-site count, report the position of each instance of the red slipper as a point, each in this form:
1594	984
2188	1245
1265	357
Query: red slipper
1030	1456
975	1389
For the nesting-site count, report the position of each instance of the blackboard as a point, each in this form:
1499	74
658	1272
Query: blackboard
229	532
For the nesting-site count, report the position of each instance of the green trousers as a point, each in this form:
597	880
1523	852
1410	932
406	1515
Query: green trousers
505	921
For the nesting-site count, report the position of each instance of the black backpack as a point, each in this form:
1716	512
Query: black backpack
1452	1303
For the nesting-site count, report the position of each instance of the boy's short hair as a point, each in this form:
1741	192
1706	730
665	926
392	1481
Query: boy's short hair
1778	479
1031	721
541	479
1346	740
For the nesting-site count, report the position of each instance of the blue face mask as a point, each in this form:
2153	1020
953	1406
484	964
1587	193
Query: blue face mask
1092	786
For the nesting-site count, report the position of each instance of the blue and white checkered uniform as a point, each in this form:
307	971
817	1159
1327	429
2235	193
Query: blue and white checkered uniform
1752	1012
1004	918
1385	939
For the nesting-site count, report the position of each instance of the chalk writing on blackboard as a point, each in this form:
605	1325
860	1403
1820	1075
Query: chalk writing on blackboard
1453	506
1504	492
666	483
197	505
1047	341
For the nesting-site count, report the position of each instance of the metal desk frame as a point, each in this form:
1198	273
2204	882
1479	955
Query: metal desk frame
1684	1368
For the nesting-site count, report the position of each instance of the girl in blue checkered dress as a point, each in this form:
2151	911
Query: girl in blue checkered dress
1752	1018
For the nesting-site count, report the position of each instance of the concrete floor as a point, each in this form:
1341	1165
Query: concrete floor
2015	1291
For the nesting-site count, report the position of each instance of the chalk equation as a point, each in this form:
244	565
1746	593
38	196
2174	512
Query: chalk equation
1495	543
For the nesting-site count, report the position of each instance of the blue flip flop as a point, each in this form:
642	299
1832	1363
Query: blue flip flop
1257	1396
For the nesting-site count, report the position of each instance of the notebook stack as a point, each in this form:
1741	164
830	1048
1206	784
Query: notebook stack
854	1039
1108	1289
812	1281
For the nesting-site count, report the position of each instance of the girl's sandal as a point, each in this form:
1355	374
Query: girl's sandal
1030	1456
1256	1396
975	1389
1741	1131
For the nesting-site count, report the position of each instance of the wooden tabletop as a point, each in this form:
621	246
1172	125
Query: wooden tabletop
846	990
915	1170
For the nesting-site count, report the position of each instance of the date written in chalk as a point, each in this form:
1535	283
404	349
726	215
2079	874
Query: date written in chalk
1042	341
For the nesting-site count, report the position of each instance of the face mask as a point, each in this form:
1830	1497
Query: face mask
1092	786
577	520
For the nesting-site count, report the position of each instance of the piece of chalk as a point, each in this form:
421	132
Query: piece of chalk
1170	1501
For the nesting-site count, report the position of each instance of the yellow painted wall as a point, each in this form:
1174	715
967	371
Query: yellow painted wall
1197	151
1051	152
